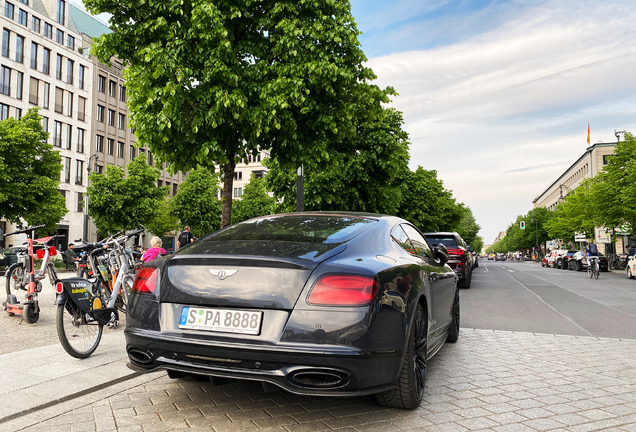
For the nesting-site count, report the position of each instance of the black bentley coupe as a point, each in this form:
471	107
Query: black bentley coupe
324	304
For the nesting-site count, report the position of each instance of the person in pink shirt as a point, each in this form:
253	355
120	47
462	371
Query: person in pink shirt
154	251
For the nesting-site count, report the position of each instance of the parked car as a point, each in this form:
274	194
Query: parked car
562	261
631	268
578	263
11	255
544	261
500	257
554	255
491	257
475	260
321	304
461	258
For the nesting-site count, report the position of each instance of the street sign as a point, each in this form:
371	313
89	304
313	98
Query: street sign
602	235
579	237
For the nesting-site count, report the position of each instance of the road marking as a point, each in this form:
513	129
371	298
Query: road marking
511	271
550	306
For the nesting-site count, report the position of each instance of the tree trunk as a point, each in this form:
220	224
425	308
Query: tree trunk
228	181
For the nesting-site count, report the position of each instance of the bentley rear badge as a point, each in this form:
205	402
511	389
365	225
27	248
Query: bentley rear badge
222	273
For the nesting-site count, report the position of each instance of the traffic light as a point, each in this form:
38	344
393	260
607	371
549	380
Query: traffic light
522	224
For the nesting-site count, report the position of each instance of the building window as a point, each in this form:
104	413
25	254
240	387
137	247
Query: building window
23	17
26	2
48	30
34	87
47	90
70	42
112	88
174	189
61	6
34	55
82	74
120	149
80	140
99	146
35	24
69	71
159	183
80	196
20	84
67	170
45	124
121	121
151	161
4	111
18	113
100	113
69	134
58	70
59	36
132	152
81	108
101	84
5	81
122	93
46	60
111	117
19	48
238	175
605	159
8	10
69	105
238	192
59	100
110	143
57	134
6	41
99	169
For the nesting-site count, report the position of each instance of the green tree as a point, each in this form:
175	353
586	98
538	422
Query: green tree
254	202
117	202
210	82
468	227
164	222
427	204
196	203
29	173
577	213
365	180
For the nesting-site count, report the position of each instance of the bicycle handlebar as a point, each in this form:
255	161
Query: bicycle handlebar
23	230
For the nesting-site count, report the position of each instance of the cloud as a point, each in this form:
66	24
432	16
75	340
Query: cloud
501	113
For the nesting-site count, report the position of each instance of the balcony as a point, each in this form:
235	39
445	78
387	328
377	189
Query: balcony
33	99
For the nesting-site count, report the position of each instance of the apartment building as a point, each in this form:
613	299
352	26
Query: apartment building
243	171
45	64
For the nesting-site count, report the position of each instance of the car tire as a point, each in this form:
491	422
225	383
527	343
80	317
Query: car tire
409	391
629	273
453	332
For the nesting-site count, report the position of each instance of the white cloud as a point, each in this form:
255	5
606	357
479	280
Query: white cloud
518	96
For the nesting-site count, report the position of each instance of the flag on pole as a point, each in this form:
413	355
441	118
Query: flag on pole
588	133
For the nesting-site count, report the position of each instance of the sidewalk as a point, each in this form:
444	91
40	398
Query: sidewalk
40	377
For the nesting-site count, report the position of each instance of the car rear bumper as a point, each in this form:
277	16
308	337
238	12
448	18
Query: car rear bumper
304	369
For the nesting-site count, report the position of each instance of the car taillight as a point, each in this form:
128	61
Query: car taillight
456	251
59	287
146	281
343	290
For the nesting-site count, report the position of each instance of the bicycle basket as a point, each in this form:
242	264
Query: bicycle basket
52	251
39	254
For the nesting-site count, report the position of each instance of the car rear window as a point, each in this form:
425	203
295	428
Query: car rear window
446	241
297	228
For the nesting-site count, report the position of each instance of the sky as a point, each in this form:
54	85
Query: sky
497	95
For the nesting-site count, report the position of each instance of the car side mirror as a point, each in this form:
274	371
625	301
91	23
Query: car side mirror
441	253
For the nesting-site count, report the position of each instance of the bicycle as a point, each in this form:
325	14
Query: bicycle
619	262
592	267
84	306
21	276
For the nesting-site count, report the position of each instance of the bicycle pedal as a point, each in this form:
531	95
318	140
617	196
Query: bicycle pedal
112	324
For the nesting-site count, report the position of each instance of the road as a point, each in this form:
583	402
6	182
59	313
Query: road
523	296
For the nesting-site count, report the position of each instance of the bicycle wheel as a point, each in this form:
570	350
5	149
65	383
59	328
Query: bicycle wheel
590	271
126	289
78	332
597	271
14	284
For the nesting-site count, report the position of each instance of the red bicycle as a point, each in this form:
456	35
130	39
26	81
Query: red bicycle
23	283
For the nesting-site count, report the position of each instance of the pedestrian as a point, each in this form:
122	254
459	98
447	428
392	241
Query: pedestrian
154	251
630	251
71	256
185	237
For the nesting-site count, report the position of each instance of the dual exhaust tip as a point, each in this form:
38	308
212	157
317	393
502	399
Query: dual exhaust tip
304	378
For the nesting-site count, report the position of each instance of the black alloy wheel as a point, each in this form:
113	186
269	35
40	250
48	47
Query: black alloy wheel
453	332
629	273
409	392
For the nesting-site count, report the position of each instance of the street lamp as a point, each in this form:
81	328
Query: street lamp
617	134
536	234
88	173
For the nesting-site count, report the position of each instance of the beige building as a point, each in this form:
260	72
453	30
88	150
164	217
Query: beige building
587	165
243	171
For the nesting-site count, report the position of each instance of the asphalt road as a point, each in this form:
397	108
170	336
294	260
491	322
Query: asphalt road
523	296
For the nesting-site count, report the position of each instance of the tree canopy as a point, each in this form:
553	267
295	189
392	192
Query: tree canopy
254	202
196	204
29	173
210	82
117	202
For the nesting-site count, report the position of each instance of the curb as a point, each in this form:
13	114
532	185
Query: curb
72	396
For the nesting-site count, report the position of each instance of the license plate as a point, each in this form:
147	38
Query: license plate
221	320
